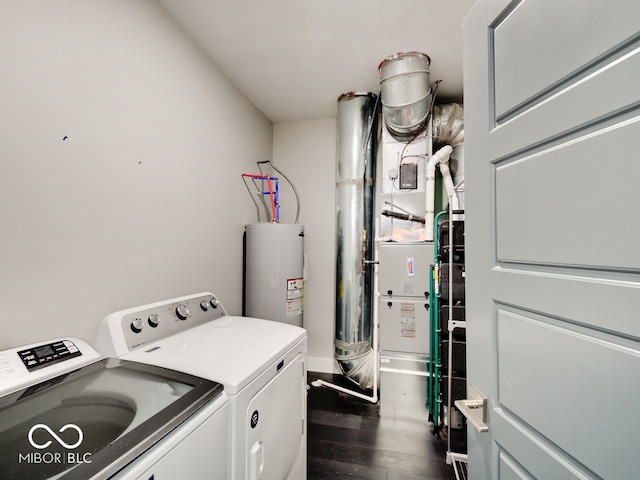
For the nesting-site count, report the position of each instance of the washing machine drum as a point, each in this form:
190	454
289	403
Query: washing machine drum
48	447
95	420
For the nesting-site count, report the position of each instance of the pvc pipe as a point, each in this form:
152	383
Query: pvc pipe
320	382
441	156
450	188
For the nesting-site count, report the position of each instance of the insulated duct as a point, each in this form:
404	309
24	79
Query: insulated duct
448	125
355	172
448	129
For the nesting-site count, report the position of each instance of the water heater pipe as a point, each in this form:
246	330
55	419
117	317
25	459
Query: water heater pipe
293	187
275	202
440	157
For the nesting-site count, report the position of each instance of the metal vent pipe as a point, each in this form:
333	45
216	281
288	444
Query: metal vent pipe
405	92
355	173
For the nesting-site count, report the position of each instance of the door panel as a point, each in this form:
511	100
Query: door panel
553	207
529	63
557	377
552	113
608	88
600	303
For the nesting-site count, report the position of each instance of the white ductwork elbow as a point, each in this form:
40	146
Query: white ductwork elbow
440	157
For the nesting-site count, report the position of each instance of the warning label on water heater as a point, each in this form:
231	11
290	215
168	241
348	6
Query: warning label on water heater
295	296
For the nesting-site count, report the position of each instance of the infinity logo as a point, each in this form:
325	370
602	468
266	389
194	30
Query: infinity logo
58	439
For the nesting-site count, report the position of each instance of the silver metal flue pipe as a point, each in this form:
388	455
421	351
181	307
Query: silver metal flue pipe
355	173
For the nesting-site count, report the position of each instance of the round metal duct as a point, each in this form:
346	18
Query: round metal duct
354	228
405	92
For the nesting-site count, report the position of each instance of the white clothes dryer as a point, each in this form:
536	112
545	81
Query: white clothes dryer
260	363
66	413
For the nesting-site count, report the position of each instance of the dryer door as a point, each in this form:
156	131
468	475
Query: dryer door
275	424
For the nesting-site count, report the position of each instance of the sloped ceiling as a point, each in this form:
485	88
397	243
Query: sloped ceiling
293	58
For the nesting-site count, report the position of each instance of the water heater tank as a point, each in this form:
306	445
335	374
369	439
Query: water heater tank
273	272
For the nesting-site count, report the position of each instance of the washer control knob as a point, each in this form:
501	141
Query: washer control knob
204	305
182	311
153	320
214	302
136	325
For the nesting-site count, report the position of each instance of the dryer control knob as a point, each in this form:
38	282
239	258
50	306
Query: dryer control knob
214	302
153	320
204	305
136	325
182	311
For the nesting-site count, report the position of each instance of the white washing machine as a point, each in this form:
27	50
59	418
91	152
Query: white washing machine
260	363
66	413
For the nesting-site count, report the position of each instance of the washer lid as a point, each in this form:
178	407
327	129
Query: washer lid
91	422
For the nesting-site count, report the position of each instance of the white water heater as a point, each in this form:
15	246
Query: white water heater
273	272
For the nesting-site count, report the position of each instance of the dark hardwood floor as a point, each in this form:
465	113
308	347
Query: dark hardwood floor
347	438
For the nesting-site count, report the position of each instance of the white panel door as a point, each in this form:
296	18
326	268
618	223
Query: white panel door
552	113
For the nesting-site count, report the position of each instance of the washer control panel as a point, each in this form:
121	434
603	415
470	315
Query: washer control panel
48	353
28	365
124	331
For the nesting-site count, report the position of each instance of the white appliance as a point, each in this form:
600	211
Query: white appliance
260	363
66	413
274	272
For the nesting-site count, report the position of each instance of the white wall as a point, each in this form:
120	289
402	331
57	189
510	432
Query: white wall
306	152
121	149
